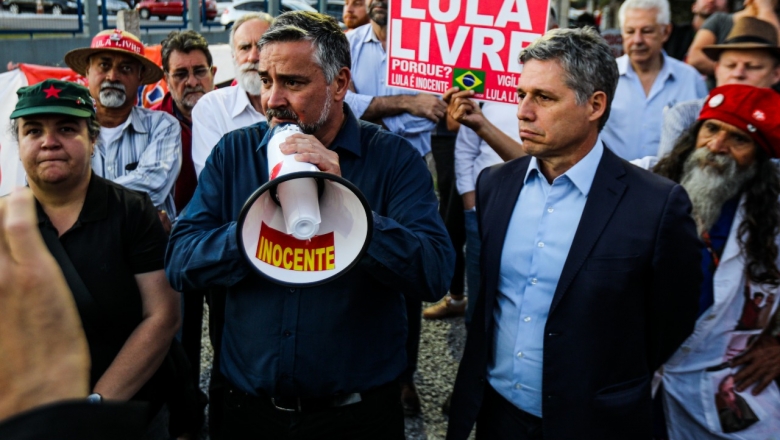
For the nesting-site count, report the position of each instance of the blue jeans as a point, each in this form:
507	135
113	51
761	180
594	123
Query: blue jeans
473	245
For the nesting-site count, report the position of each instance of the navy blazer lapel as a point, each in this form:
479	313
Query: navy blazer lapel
502	205
603	198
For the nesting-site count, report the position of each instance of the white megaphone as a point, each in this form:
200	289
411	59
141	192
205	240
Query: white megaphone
303	227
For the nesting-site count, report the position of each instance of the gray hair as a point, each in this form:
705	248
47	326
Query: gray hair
93	128
262	16
662	6
331	48
585	58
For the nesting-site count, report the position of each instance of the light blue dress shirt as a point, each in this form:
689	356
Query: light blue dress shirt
369	75
537	243
633	130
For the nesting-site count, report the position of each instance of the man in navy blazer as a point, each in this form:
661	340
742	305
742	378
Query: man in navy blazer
590	265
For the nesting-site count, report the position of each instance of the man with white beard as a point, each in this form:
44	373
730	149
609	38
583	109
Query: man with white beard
228	109
216	114
724	163
138	148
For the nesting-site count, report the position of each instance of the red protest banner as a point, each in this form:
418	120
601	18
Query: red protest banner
470	44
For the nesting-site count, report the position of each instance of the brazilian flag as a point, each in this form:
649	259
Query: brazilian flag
469	79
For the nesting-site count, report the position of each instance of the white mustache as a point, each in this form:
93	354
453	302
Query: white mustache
110	85
249	66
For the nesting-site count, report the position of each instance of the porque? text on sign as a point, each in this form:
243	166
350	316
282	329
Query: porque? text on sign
469	44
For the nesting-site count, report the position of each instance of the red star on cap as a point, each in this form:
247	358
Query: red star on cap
51	91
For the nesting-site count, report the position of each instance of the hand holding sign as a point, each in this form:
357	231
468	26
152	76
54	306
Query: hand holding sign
463	109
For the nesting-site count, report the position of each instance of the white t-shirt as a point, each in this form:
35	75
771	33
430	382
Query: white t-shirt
108	135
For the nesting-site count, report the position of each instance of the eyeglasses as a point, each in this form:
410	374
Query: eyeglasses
183	75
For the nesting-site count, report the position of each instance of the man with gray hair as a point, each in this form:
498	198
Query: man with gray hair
589	265
318	362
230	108
650	81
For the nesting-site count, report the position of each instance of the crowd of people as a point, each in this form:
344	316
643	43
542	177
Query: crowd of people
612	240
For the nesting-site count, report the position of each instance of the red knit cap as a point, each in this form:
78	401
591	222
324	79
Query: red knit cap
754	110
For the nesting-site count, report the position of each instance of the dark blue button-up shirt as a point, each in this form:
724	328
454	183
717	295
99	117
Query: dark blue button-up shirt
341	337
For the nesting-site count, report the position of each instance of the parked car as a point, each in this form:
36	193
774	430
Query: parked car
243	7
55	7
222	5
112	6
165	8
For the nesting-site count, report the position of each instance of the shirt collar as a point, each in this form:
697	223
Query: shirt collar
241	102
180	116
95	203
370	35
348	137
136	121
625	68
581	174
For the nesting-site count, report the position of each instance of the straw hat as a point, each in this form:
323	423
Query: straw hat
747	33
114	41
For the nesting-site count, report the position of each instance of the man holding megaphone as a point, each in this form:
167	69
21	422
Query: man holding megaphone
315	323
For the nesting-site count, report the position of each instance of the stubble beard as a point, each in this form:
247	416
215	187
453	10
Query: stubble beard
286	113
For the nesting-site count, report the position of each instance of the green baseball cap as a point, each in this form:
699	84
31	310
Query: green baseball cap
54	97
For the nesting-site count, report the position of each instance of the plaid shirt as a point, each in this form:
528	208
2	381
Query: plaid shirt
145	157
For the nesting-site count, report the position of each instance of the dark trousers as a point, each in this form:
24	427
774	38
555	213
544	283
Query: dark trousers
191	328
498	419
216	299
377	417
414	317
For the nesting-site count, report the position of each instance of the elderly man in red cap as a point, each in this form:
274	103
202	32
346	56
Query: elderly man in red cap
138	148
724	162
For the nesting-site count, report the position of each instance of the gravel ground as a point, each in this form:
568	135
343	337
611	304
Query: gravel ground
441	346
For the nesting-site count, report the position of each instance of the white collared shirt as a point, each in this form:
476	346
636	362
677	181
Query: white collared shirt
216	114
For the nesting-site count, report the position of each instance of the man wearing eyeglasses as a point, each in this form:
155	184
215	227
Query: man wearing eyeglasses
189	72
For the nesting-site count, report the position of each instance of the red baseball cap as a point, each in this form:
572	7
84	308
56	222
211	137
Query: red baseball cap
753	110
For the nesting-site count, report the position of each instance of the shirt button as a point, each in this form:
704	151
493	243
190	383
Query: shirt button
534	281
527	319
541	244
287	333
519	354
550	209
518	386
110	168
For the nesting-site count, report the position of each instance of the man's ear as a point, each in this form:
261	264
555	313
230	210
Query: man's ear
776	74
598	105
666	31
341	83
